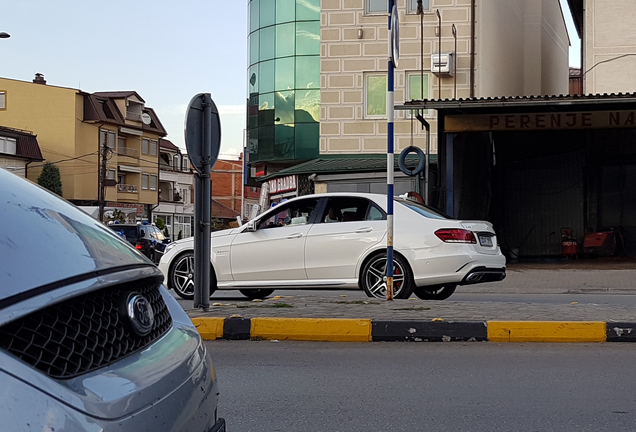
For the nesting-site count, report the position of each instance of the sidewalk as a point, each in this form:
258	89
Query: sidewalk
321	318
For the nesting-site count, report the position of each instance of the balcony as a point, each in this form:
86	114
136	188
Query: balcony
127	151
133	116
127	188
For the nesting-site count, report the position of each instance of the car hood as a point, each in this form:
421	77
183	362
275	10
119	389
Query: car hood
44	239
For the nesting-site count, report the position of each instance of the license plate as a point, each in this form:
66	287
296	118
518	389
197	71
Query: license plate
485	240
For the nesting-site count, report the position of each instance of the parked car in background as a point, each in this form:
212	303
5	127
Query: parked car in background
90	339
339	241
146	238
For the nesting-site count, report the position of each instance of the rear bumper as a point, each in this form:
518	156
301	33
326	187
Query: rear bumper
484	274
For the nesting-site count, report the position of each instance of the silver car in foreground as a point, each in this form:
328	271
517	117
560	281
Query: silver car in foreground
90	340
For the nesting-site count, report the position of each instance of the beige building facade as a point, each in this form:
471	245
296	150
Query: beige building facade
503	48
608	46
77	130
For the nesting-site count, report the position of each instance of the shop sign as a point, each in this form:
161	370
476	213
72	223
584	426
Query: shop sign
541	121
282	184
138	208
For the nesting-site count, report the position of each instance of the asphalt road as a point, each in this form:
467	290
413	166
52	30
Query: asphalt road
314	386
549	298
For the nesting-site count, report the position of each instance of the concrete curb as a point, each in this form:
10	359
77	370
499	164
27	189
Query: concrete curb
367	330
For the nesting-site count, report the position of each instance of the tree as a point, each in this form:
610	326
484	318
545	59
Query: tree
50	178
160	223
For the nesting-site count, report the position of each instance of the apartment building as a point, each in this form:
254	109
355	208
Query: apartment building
608	51
176	191
18	149
91	137
317	73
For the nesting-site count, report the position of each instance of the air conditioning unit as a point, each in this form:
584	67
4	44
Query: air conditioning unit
443	63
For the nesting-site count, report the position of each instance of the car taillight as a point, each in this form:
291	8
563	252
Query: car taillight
456	236
138	246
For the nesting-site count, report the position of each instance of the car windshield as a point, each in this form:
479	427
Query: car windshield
422	209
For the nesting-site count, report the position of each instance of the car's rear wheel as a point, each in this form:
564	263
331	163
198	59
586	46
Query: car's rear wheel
253	294
435	293
372	278
181	276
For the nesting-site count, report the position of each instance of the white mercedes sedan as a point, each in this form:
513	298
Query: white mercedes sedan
338	240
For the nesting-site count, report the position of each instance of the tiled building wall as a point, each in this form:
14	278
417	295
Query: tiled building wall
346	59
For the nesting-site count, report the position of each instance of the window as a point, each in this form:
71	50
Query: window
351	210
153	147
3	100
153	182
296	213
111	174
182	227
144	181
411	6
184	192
186	164
376	7
375	95
121	145
422	209
414	89
8	145
112	138
144	145
107	138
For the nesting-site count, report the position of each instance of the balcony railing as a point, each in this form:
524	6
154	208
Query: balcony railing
127	188
127	151
133	116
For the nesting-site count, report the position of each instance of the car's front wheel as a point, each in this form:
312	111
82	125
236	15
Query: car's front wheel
254	294
372	278
181	276
435	293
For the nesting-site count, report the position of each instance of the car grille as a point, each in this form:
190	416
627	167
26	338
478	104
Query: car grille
84	333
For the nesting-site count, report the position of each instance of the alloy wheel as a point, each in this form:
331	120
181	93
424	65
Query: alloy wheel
374	281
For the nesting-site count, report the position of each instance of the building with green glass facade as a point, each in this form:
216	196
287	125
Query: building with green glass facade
283	80
317	80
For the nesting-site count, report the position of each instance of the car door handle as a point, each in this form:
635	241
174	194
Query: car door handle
364	230
295	235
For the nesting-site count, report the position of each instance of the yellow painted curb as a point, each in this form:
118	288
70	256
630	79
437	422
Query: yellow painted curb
546	331
209	328
310	329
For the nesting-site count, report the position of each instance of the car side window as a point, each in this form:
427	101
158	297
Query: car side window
294	213
375	213
345	209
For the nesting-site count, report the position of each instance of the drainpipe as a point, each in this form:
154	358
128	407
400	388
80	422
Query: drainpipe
26	169
472	48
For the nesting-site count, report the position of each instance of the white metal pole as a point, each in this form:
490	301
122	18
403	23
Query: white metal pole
390	161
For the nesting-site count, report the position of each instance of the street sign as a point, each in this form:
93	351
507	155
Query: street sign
395	36
203	141
201	152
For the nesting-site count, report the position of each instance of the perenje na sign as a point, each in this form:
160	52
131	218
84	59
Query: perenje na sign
541	121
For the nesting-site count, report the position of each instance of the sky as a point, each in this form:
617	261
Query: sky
165	50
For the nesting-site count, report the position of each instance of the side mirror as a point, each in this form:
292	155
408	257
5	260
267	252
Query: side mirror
250	227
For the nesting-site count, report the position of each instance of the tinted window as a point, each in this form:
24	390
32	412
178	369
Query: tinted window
422	209
296	213
350	209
